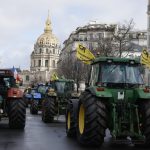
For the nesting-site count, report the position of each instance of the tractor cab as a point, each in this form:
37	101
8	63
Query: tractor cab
62	86
123	73
12	104
6	81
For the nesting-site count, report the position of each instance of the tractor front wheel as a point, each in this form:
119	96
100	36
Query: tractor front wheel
71	117
17	114
34	107
48	110
91	120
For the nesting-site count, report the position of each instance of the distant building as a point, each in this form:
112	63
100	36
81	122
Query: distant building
44	57
90	35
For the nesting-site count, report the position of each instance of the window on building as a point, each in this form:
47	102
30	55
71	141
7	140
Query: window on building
47	41
53	64
100	35
40	50
39	63
53	51
42	41
40	78
46	63
134	35
53	45
27	78
91	36
85	38
47	51
34	63
90	46
81	37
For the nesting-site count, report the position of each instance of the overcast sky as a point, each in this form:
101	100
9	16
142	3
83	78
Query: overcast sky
23	21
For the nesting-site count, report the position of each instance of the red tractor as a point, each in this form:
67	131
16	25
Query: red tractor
12	104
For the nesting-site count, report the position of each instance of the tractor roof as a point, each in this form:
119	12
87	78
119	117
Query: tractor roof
65	80
115	59
6	72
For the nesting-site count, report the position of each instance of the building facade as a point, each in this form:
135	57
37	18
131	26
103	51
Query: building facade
44	57
91	34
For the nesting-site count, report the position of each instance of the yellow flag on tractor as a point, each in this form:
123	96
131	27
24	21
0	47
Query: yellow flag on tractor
84	54
145	58
54	77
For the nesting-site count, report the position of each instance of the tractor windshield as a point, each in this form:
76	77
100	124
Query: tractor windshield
7	82
42	89
62	87
33	91
121	73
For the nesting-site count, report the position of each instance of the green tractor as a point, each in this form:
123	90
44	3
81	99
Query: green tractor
56	98
115	99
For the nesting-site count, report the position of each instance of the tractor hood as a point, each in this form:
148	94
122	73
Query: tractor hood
114	94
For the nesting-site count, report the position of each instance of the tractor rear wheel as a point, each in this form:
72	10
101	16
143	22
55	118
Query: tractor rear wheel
92	120
71	117
48	110
146	122
17	114
34	107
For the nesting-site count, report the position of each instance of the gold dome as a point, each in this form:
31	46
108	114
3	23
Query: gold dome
47	38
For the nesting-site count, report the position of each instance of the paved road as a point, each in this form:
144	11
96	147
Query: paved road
40	136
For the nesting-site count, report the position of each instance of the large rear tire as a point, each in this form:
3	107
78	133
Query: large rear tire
71	117
34	107
48	110
17	114
92	120
146	122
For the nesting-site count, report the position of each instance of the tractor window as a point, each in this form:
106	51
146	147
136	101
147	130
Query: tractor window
69	86
113	73
121	73
33	91
133	75
94	74
42	89
7	82
60	87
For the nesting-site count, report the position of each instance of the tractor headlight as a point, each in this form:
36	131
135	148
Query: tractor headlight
109	60
132	62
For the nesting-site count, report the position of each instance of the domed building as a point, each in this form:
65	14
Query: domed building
45	54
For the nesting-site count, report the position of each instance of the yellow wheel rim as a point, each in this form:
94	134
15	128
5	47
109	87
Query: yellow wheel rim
68	121
81	119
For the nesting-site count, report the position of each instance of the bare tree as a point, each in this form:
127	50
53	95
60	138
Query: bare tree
104	47
117	42
121	38
71	68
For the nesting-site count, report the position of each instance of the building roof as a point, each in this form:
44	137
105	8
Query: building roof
47	38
